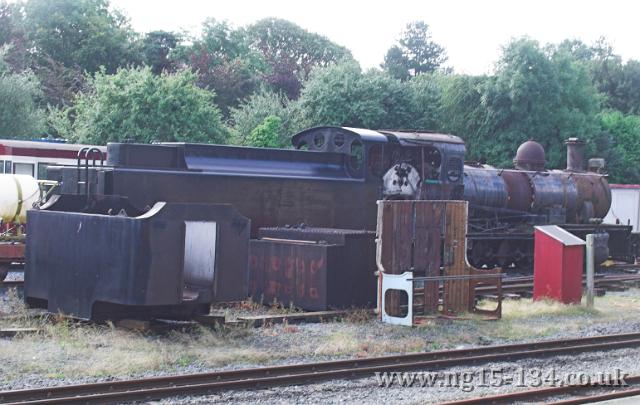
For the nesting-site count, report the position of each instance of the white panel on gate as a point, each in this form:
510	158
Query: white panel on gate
401	282
625	207
200	252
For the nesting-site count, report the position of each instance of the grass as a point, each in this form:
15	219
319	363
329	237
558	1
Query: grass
65	349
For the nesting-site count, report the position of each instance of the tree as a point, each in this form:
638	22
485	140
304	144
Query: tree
396	64
20	116
59	84
463	112
13	37
83	33
267	134
576	48
291	53
136	104
535	95
618	81
156	46
224	63
258	107
342	95
426	95
416	53
619	144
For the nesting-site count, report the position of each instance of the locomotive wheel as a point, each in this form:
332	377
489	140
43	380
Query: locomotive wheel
4	270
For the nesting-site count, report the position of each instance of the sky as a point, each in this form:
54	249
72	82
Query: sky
472	32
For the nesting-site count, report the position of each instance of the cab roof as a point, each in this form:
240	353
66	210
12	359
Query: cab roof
382	135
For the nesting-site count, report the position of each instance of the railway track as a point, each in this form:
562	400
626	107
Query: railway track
524	284
579	394
512	284
206	383
11	283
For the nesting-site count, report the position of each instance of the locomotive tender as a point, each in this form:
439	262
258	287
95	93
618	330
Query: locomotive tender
335	175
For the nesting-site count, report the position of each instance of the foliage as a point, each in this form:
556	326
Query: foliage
257	108
224	63
538	96
273	78
83	33
425	97
59	84
416	53
462	111
267	134
395	63
138	105
7	21
291	52
13	37
617	81
156	47
619	144
20	116
343	95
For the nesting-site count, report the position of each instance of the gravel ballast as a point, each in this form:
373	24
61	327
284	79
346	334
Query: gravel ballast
68	353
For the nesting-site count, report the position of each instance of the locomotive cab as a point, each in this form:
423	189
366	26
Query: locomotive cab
407	165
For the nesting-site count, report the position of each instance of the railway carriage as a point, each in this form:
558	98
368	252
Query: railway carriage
33	157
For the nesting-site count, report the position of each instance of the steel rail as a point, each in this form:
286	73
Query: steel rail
528	286
205	383
549	392
520	285
11	283
508	285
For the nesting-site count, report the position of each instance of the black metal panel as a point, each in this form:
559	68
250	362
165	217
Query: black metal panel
145	156
131	262
266	201
230	160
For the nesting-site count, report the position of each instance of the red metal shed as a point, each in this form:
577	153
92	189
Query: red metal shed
558	264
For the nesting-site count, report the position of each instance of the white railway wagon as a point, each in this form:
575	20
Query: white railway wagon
33	157
625	205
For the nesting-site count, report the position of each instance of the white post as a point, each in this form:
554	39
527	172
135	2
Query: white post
590	270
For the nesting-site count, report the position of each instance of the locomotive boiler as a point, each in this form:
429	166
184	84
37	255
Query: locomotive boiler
334	176
505	203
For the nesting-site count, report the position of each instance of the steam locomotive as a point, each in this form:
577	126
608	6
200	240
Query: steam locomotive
334	176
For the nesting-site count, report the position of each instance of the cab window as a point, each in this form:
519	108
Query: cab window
357	156
376	161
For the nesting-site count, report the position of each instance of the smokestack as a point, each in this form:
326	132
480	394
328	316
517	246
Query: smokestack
575	154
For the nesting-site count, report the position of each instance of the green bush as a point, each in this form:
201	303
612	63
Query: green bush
267	134
20	116
138	105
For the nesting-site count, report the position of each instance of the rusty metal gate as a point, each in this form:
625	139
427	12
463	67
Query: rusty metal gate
422	244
